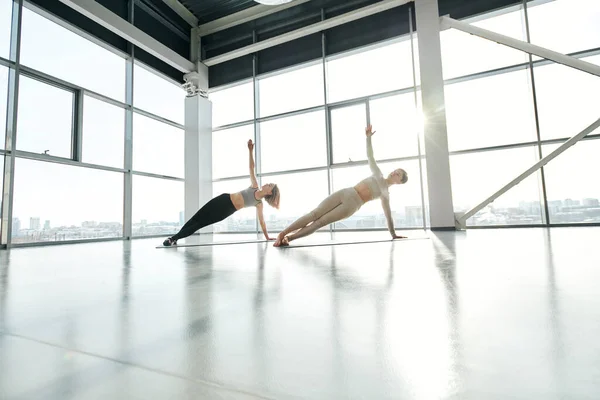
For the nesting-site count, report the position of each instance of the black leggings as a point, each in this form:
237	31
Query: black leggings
214	211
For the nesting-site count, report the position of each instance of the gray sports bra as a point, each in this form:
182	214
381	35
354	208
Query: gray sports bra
249	199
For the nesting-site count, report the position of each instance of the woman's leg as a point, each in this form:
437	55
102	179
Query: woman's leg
331	202
350	203
214	211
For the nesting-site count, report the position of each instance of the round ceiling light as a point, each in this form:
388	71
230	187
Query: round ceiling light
273	2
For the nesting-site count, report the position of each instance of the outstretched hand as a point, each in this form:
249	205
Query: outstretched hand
398	237
369	131
250	145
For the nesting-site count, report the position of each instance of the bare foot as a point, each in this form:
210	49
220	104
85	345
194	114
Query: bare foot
282	242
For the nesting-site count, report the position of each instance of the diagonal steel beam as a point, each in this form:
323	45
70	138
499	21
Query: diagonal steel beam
562	148
241	17
447	22
308	30
111	21
183	12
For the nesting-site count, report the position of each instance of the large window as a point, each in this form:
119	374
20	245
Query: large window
304	132
385	68
348	131
243	220
5	26
103	133
3	99
50	48
45	118
572	184
231	105
464	54
54	202
289	91
567	99
158	148
565	26
397	124
230	151
475	176
300	193
1	185
405	200
158	206
158	95
490	111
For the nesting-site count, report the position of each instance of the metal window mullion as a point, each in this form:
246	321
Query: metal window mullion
128	141
257	141
416	97
77	129
546	214
327	113
10	139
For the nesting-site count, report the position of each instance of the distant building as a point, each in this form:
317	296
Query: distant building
34	224
591	202
16	227
181	218
89	224
47	225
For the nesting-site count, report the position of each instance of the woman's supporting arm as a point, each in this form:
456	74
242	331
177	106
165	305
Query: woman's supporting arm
261	219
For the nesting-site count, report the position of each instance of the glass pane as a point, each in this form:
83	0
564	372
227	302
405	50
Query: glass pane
296	200
578	22
103	133
305	132
243	220
396	123
567	99
230	151
54	202
572	184
231	105
50	48
405	200
158	148
464	54
490	111
477	176
348	132
158	205
3	100
5	26
382	69
158	95
290	91
45	118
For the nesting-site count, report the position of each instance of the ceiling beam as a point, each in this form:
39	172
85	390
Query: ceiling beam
111	21
183	12
241	17
308	30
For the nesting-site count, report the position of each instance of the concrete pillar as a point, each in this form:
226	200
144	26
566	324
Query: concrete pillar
198	142
441	210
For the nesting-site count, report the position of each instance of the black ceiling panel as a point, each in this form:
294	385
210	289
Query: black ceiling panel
296	52
209	10
176	42
230	71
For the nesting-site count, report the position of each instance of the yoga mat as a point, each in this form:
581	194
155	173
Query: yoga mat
295	246
213	244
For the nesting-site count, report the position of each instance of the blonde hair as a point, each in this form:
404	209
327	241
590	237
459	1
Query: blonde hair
273	198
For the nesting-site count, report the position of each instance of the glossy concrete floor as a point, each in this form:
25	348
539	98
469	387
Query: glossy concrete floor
486	314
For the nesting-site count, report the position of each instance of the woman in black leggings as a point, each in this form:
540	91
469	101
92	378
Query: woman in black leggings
226	204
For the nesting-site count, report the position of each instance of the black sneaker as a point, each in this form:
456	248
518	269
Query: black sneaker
170	242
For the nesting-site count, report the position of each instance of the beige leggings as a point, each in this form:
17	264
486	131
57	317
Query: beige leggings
338	206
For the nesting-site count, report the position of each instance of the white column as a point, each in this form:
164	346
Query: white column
198	143
441	210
